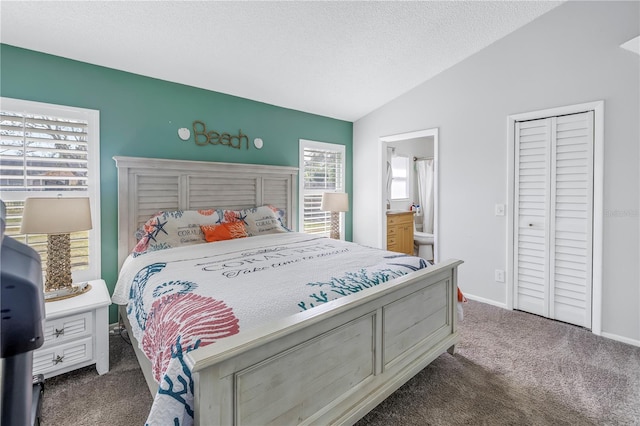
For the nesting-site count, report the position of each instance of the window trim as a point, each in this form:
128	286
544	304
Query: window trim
304	144
93	187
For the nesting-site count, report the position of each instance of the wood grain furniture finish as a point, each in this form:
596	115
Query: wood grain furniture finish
400	232
76	333
328	365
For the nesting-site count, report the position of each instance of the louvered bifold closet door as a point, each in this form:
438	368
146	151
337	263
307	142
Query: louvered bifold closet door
572	218
553	250
532	177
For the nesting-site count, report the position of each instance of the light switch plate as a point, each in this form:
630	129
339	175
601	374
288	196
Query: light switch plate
500	209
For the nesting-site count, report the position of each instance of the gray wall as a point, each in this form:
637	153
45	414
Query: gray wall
570	55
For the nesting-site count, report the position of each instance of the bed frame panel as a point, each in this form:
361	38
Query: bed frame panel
328	365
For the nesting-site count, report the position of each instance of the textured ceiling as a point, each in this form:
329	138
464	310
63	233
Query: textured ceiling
337	59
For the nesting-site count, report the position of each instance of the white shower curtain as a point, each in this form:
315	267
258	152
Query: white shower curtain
424	170
390	153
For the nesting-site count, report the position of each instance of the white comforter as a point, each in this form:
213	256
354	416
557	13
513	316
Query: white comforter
184	298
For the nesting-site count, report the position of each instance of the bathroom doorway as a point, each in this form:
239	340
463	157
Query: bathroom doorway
419	152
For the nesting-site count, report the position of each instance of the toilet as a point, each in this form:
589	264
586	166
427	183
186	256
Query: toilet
424	243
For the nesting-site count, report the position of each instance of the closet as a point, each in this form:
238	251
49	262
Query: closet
553	217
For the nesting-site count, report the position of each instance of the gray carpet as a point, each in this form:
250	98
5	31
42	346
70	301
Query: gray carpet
510	368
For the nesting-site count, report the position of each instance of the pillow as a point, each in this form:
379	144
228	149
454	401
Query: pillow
175	229
224	231
141	231
258	220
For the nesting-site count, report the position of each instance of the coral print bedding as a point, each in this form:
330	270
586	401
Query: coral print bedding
186	227
191	296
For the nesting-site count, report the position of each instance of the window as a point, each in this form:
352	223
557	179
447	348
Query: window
322	169
399	177
49	151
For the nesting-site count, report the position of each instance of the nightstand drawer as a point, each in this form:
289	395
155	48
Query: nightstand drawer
76	333
62	329
62	356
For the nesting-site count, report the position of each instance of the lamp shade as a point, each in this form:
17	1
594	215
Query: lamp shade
55	215
335	202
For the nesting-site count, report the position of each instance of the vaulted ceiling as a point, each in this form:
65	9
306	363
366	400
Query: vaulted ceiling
337	59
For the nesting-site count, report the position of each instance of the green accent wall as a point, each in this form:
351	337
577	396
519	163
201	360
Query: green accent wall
140	116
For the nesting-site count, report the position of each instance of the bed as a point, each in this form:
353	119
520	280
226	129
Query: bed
326	364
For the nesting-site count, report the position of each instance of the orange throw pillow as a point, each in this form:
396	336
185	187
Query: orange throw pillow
224	231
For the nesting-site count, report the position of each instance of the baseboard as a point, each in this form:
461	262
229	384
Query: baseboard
611	336
622	339
115	328
487	301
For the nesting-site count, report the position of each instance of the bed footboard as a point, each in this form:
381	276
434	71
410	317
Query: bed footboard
332	364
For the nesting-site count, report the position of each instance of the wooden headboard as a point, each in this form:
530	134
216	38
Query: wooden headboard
149	185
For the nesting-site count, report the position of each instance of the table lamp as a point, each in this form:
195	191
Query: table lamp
335	202
57	217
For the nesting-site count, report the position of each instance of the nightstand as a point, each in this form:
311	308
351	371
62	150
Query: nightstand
76	333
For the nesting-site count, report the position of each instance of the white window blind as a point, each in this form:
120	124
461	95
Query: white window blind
322	169
48	151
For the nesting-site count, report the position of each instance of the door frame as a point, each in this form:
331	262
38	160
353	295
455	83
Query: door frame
383	141
598	199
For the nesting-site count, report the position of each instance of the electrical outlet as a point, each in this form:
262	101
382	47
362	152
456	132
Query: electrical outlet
499	275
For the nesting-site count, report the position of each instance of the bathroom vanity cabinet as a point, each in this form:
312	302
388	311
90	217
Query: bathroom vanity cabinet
400	231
